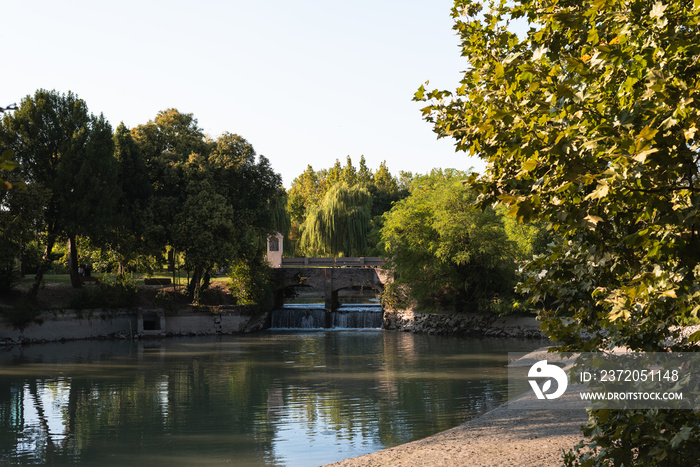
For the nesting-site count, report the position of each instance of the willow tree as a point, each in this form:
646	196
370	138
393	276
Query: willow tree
590	124
339	225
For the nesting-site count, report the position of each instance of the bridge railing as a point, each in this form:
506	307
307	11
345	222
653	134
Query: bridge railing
359	262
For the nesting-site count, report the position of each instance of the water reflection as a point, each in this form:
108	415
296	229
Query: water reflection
266	399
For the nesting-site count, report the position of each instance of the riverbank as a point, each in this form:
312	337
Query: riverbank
513	434
463	324
505	436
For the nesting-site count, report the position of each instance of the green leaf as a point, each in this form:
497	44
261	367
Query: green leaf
8	165
620	313
529	165
499	70
682	435
647	133
694	337
419	95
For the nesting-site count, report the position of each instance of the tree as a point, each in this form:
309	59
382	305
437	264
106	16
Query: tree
90	191
309	189
444	251
385	190
21	218
349	174
135	206
214	201
364	174
66	151
340	224
6	155
165	144
333	175
305	191
172	135
230	208
590	125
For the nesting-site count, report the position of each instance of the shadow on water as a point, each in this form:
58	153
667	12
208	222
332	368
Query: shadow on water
273	398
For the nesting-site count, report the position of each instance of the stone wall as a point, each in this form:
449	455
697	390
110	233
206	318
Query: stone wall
52	326
462	324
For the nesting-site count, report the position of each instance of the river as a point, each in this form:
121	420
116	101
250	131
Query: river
264	399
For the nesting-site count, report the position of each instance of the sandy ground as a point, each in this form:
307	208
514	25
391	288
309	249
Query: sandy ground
514	434
504	436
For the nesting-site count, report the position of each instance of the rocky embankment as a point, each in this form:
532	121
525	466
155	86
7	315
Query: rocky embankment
463	324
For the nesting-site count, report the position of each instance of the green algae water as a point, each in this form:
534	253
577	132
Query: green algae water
266	399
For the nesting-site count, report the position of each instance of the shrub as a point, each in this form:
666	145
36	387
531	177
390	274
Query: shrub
123	293
164	300
24	313
251	283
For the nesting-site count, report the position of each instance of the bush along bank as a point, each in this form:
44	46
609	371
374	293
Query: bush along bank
463	324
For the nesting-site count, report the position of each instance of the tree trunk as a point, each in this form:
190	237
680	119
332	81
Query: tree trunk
193	289
173	264
73	262
121	268
50	240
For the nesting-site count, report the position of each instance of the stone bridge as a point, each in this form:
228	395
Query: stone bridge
331	280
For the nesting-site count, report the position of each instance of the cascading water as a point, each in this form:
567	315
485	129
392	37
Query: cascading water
313	316
357	316
298	316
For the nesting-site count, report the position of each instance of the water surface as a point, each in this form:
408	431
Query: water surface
276	398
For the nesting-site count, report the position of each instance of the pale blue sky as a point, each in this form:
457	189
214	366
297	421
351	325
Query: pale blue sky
305	82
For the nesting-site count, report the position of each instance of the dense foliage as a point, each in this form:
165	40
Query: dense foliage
589	123
339	225
446	252
129	194
214	198
65	153
252	282
323	218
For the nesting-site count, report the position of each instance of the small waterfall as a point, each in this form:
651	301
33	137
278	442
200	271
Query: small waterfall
360	316
299	316
313	316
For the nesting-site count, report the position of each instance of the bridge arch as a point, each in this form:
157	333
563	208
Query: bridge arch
331	280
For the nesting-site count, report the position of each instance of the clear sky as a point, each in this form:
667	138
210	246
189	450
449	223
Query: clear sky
304	81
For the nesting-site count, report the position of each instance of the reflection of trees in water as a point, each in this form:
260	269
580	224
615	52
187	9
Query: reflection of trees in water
130	412
193	396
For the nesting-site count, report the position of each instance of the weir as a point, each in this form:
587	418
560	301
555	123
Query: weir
315	316
330	276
